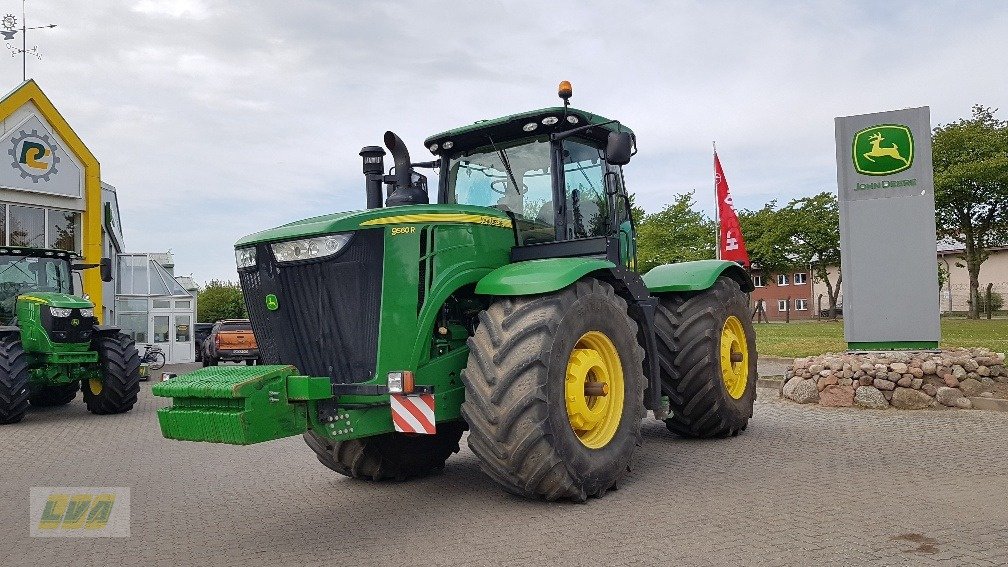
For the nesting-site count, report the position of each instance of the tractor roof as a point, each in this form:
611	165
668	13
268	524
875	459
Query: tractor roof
30	252
513	127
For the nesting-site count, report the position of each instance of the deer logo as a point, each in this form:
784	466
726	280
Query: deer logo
877	150
883	150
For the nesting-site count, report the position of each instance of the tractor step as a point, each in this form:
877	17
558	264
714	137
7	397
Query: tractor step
239	405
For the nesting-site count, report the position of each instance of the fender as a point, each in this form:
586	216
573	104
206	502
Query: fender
695	276
106	329
539	276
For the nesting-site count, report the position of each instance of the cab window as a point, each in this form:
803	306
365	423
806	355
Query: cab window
584	186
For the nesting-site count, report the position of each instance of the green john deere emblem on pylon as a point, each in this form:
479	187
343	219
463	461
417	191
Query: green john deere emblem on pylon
883	150
272	303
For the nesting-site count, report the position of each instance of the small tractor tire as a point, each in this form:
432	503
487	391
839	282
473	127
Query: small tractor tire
394	456
533	360
56	395
13	379
707	358
116	391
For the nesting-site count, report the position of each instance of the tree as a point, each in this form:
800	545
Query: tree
677	233
814	223
768	238
220	300
971	188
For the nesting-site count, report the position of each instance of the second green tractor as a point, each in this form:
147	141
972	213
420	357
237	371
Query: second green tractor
509	306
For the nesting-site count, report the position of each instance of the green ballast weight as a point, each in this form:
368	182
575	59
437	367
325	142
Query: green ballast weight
239	405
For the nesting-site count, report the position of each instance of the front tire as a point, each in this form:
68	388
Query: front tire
13	379
55	395
533	424
394	456
116	391
707	358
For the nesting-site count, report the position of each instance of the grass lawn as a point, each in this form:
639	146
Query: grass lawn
807	338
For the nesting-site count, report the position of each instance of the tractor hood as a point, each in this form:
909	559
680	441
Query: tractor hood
54	299
377	218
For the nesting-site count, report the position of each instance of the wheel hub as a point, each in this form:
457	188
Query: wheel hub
593	389
734	357
95	385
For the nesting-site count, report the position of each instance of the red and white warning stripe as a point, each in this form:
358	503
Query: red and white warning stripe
413	414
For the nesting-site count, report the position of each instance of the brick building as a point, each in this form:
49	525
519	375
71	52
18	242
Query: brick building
785	295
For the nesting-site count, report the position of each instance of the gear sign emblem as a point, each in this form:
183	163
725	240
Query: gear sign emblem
16	152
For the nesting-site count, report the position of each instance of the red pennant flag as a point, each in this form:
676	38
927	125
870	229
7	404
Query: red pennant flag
732	245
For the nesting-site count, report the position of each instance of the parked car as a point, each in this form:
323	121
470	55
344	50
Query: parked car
231	340
200	333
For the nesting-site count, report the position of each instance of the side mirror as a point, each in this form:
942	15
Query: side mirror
105	267
619	148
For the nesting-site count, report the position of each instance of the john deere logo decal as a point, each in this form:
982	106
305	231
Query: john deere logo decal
34	155
271	302
883	150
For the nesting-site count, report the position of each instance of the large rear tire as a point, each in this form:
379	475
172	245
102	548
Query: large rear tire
394	456
707	358
533	424
55	395
116	391
13	379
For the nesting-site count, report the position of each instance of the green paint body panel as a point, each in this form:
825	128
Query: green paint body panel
694	276
893	345
239	405
539	276
353	220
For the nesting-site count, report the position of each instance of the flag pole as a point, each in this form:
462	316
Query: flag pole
717	209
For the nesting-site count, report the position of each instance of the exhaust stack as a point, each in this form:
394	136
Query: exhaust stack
406	188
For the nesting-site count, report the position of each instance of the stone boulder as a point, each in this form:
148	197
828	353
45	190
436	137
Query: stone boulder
836	396
971	387
947	396
870	397
882	384
805	392
908	398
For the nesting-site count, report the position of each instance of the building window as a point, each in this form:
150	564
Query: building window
64	230
757	281
781	305
161	303
782	279
801	305
27	226
800	278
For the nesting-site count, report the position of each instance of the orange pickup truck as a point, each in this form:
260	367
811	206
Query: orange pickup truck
231	339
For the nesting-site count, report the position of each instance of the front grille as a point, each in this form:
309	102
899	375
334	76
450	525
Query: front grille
63	329
326	321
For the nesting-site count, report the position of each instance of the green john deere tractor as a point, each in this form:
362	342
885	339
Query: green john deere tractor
51	344
509	307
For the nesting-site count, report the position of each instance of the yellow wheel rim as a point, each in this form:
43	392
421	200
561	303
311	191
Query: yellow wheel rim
594	390
95	385
734	357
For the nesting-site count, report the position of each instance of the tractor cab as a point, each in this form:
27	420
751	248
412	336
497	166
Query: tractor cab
556	172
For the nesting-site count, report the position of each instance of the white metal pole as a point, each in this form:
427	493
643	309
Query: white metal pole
717	209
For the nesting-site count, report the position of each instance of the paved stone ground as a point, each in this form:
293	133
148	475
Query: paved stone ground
803	486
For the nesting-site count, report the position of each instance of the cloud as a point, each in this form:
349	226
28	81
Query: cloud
218	119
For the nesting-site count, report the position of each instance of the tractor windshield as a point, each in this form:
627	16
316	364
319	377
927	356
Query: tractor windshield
20	274
482	178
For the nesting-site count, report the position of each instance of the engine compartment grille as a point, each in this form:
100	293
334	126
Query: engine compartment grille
326	318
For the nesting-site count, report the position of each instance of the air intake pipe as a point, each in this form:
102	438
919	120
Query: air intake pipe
374	169
404	191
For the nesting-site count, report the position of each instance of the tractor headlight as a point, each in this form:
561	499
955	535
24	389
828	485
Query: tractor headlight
87	312
310	248
245	257
60	311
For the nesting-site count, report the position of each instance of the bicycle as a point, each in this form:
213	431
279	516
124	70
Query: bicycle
153	356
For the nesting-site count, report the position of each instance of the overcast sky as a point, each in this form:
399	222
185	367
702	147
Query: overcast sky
218	119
